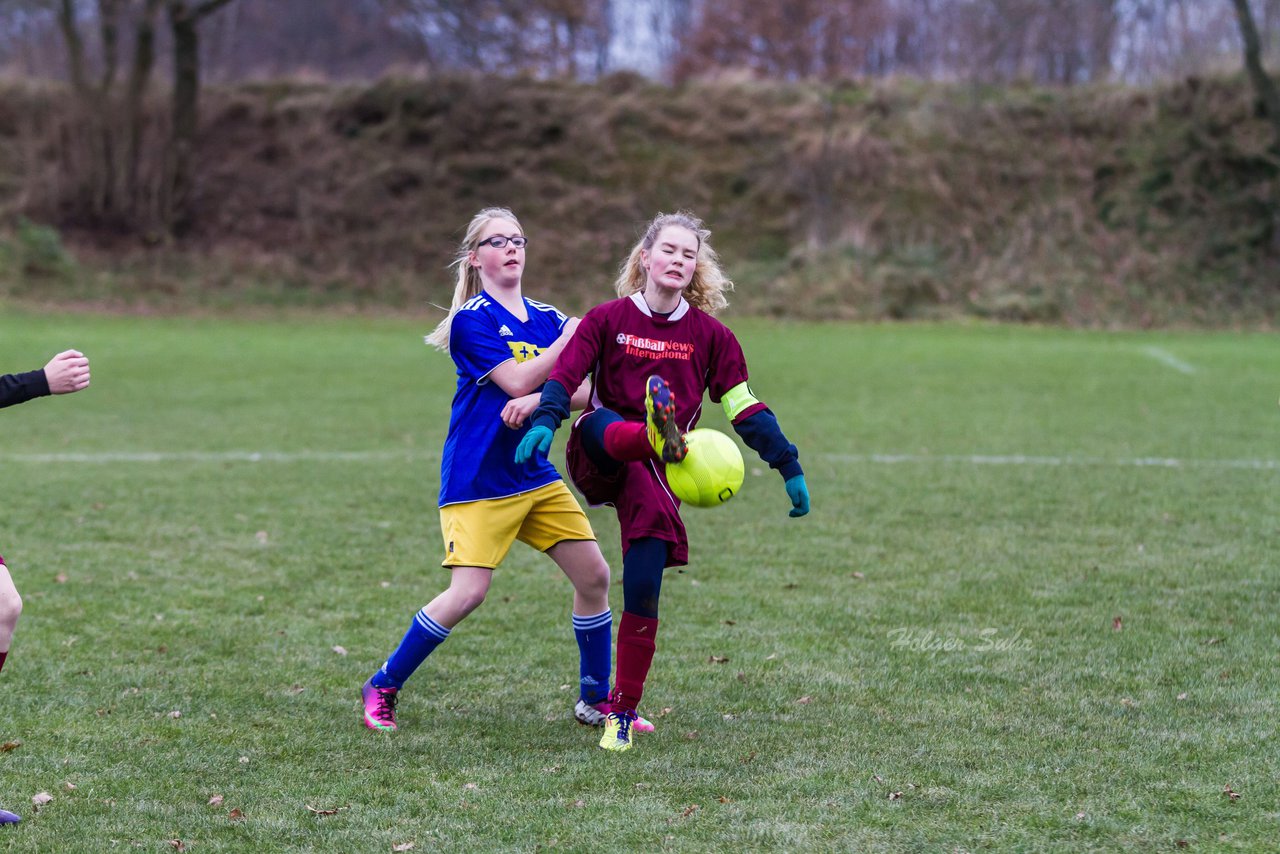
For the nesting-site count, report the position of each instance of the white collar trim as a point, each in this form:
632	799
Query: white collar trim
681	310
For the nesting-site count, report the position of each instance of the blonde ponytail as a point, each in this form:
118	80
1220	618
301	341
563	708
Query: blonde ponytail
468	282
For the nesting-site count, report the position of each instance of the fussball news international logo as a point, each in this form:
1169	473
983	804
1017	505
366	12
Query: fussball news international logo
652	348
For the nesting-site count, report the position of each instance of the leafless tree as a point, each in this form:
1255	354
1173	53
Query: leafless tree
554	38
1263	86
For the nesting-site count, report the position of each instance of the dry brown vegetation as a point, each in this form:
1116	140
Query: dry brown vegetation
1091	206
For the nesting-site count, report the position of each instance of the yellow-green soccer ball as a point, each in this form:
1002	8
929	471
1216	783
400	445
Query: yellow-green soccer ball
711	473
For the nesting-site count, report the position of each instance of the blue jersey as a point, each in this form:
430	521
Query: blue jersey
479	453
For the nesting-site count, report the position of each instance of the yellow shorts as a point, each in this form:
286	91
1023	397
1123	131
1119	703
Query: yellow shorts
480	533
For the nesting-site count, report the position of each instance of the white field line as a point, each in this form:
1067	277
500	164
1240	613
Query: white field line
1027	460
429	456
1169	360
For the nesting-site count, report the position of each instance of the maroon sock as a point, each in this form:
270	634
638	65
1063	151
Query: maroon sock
637	638
3	656
626	441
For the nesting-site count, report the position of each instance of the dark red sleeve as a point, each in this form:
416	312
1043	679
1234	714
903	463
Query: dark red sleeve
728	364
582	351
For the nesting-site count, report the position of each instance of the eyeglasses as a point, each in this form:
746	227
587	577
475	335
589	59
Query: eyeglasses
499	241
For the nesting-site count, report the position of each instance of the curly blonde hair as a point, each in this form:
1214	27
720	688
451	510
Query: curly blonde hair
706	290
468	277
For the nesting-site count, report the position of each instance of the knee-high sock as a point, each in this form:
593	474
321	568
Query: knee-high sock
637	638
627	440
594	634
424	635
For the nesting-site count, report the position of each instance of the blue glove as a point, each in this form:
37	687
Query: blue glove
537	443
798	492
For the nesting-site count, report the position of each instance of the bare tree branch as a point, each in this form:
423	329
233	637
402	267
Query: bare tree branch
1263	85
75	45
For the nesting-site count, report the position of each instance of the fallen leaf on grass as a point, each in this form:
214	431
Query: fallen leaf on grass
691	736
403	846
722	799
665	711
718	659
175	714
731	622
10	745
297	689
42	799
69	786
804	701
859	576
748	758
685	813
1231	794
236	815
470	786
329	811
877	778
61	578
1079	816
178	844
261	537
1212	641
1182	696
215	801
579	804
1117	624
895	796
339	650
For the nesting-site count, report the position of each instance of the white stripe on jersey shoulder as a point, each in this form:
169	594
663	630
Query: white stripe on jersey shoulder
542	306
681	310
477	301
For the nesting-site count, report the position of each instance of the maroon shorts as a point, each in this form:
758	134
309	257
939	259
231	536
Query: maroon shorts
638	492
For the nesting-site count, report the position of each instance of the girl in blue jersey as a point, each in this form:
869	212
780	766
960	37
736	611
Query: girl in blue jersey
503	346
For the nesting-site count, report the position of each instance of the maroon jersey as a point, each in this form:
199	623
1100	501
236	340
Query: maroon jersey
621	343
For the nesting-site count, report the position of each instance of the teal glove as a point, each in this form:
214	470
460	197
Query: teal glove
798	492
537	443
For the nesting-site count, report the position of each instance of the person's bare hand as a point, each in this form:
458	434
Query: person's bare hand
67	372
520	408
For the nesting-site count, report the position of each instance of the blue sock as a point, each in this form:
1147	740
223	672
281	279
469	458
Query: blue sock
594	635
424	635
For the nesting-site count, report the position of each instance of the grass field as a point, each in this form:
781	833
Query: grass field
1034	608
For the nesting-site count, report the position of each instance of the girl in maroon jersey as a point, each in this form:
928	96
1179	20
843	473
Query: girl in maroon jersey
653	353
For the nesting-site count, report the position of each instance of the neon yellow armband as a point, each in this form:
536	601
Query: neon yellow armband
736	400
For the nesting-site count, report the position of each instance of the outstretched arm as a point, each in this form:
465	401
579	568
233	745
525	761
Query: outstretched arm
518	379
518	409
758	427
557	401
66	372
